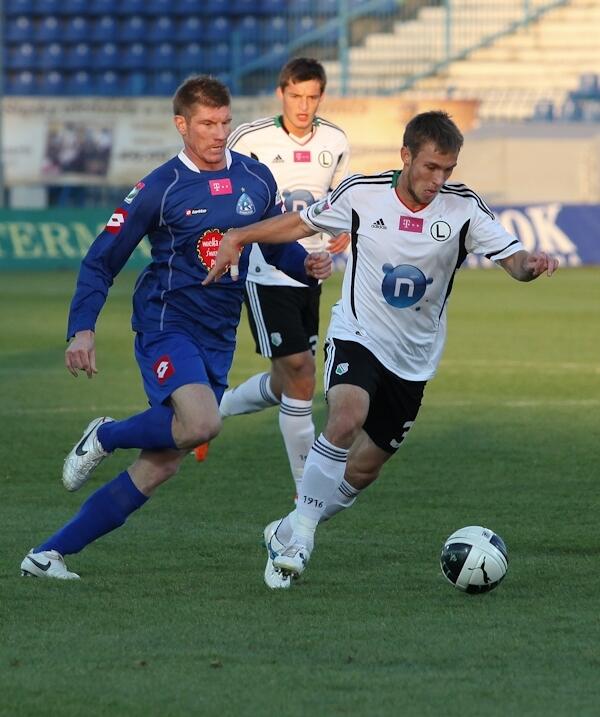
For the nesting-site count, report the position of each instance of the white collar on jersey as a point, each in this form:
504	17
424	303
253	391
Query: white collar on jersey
190	165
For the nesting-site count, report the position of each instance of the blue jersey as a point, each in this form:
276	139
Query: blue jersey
184	212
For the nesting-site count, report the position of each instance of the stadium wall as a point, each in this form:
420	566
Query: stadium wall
114	142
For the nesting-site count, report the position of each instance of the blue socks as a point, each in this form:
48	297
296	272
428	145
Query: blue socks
150	430
105	510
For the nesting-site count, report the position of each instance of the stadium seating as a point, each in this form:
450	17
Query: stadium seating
49	29
104	29
162	83
73	7
19	7
162	56
103	7
76	29
79	57
160	30
51	57
19	29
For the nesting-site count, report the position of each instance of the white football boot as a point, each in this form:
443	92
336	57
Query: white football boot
47	564
292	559
85	457
274	578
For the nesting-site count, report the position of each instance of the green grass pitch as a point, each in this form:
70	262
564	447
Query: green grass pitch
171	616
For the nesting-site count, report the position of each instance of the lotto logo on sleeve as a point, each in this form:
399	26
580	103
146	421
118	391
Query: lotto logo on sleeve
163	369
301	156
220	186
114	224
411	224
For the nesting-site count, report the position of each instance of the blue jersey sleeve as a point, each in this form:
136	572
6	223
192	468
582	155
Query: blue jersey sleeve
109	253
289	258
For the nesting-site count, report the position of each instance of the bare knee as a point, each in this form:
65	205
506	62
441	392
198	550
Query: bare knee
192	433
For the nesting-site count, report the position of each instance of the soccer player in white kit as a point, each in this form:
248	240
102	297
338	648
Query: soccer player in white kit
410	231
308	156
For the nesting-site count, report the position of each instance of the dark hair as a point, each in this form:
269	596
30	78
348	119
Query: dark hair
435	126
199	90
302	69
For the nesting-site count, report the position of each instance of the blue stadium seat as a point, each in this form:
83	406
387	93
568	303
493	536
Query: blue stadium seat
275	29
45	7
52	83
268	7
217	58
73	7
103	7
51	57
249	28
162	83
134	57
80	84
76	29
189	30
218	29
21	57
132	29
212	8
191	58
107	84
243	7
301	25
158	7
134	84
104	29
49	29
300	7
275	55
325	7
21	83
79	57
19	29
107	56
188	8
250	52
160	29
19	7
162	56
130	7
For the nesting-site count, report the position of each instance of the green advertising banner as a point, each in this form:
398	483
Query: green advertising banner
54	238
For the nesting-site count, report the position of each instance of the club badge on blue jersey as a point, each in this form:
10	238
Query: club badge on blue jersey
245	206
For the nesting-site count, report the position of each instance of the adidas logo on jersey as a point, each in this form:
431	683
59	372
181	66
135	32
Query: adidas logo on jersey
278	159
379	224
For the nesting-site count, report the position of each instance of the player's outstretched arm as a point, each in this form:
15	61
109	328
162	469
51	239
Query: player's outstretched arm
526	266
81	354
276	230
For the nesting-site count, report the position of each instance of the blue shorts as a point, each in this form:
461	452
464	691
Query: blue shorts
171	359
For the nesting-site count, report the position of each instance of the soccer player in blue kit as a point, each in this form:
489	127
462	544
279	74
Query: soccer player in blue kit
185	330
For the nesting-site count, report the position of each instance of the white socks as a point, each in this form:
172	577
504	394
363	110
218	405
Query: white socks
298	431
324	471
251	396
342	498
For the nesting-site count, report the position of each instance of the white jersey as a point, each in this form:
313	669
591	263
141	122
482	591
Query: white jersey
402	264
305	170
